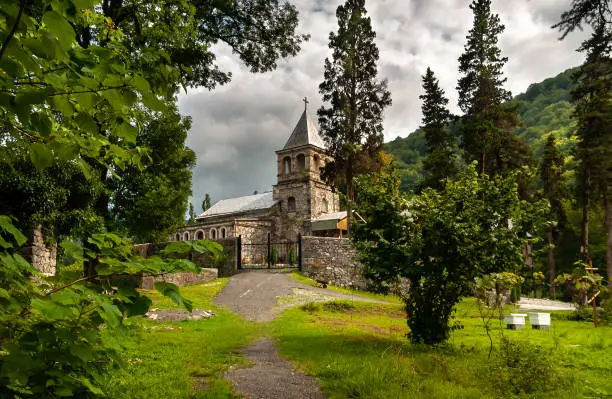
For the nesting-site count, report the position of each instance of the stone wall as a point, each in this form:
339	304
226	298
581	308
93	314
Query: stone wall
226	266
180	279
41	255
332	260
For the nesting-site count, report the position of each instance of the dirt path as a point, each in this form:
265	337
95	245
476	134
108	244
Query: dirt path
272	377
261	296
255	294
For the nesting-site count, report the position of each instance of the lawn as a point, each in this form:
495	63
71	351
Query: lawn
358	349
361	350
182	359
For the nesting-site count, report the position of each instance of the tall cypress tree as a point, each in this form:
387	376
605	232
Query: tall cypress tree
487	126
354	99
439	163
555	189
206	202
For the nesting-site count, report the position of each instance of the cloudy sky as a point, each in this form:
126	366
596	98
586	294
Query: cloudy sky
237	127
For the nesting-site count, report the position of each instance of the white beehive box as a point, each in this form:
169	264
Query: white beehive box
515	321
540	321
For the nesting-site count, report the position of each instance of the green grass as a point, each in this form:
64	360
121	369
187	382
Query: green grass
182	359
308	281
361	350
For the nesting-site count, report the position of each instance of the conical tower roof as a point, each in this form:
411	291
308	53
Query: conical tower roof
304	133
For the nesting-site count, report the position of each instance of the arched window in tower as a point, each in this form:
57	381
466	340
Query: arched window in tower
222	232
316	164
178	237
291	204
186	236
325	206
213	234
301	162
287	165
199	235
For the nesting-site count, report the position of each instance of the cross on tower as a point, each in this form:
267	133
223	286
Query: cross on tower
305	102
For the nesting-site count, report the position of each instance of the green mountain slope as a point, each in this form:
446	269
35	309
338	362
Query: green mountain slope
544	108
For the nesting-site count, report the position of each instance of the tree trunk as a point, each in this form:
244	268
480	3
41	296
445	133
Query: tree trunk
608	206
349	194
552	268
584	249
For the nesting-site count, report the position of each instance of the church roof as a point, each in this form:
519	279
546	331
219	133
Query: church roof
240	205
304	133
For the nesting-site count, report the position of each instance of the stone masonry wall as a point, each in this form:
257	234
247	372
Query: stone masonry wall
332	260
41	255
210	269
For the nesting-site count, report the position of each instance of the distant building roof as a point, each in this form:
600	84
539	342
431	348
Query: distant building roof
240	204
331	216
304	133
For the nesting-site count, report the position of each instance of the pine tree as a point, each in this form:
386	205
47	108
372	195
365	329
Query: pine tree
439	163
593	99
487	126
555	189
206	202
354	99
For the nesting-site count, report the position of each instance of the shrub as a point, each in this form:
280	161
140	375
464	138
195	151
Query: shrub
291	257
524	368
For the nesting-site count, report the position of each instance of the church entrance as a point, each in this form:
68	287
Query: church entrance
269	254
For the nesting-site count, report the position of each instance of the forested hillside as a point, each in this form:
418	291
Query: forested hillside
544	108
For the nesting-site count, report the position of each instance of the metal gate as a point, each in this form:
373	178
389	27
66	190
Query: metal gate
269	255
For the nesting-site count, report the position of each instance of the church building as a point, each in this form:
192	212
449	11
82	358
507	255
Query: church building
299	203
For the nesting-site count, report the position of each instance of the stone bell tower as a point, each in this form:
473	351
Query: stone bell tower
301	193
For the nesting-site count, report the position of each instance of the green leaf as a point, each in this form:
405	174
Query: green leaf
41	155
152	102
178	247
7	226
59	27
31	97
171	291
63	105
126	131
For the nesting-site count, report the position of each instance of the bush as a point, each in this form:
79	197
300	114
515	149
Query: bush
523	368
291	257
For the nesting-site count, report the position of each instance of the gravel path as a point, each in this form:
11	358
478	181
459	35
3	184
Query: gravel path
543	304
272	377
255	295
261	296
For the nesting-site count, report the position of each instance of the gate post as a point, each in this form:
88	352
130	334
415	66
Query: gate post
239	252
269	252
299	242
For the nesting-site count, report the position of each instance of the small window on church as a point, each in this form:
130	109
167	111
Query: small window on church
301	162
200	235
213	234
178	237
291	204
325	207
186	236
316	163
222	232
286	165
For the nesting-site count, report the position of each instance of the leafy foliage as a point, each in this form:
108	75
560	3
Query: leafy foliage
442	240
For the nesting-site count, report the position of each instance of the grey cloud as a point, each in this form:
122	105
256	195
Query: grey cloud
237	128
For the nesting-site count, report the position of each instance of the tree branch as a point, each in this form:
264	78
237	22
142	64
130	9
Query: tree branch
13	29
53	291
